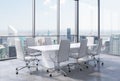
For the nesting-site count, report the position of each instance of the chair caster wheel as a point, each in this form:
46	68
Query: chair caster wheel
58	69
30	73
36	69
28	67
95	65
26	64
16	73
69	71
87	67
50	75
65	75
80	69
102	64
97	61
36	64
47	71
85	62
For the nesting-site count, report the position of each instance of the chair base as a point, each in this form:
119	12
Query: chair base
51	71
78	65
27	66
96	61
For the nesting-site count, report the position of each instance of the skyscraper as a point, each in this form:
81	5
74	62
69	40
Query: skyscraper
69	34
115	44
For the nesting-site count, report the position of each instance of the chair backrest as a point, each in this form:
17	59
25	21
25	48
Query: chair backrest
19	49
29	42
40	41
83	48
98	49
64	49
90	40
48	41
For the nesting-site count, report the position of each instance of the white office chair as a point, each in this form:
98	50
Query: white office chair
82	52
95	52
29	59
61	56
40	41
47	41
90	40
31	52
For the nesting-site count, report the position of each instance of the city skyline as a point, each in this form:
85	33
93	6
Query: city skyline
19	15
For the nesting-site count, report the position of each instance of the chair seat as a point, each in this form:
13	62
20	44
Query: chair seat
93	53
74	55
35	54
28	58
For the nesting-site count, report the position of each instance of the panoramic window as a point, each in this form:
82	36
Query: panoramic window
88	20
110	30
46	17
67	19
88	17
15	17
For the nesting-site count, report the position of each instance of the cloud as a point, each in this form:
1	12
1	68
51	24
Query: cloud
62	1
46	2
53	7
45	13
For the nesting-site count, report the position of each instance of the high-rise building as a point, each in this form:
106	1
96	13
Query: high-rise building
69	34
0	40
115	44
48	33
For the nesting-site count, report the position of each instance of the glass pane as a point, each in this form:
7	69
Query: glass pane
15	17
88	20
88	17
46	20
110	16
46	17
67	19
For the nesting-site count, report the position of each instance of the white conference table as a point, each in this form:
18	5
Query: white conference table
50	50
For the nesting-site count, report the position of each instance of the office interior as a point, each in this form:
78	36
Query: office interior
34	32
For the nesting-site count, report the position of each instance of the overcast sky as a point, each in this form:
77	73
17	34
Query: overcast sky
18	13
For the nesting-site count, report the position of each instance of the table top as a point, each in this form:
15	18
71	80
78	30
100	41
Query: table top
50	49
56	47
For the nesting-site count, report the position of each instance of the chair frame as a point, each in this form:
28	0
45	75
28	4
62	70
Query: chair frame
34	60
56	63
77	64
97	52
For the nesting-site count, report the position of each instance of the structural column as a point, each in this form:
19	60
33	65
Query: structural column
98	19
76	20
33	17
58	21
